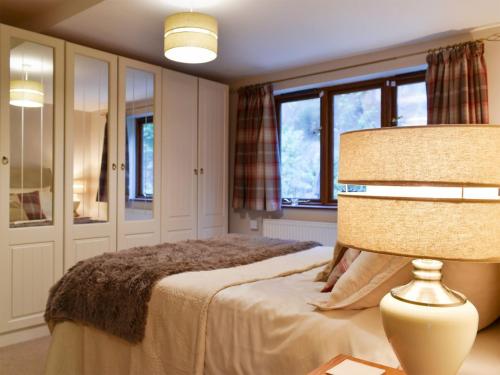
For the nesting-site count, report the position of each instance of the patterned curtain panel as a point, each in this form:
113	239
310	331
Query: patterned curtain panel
102	193
257	181
457	89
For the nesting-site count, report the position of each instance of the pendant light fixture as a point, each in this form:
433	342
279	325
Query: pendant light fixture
190	38
26	93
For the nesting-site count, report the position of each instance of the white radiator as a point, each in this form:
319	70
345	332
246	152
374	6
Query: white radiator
322	232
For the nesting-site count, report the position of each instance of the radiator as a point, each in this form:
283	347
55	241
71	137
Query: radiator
322	232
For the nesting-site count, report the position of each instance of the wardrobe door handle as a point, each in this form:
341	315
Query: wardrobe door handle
195	171
122	166
5	160
201	170
113	166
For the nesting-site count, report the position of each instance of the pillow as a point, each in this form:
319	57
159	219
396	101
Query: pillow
31	205
16	212
342	266
338	252
365	275
371	276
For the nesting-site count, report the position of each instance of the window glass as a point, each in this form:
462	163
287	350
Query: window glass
353	111
412	104
300	149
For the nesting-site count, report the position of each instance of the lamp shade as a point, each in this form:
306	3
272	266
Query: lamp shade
441	155
26	93
444	203
190	38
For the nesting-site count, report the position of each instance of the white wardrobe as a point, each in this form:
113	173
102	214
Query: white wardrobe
195	157
98	153
31	174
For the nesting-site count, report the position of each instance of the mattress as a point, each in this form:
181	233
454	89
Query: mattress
251	319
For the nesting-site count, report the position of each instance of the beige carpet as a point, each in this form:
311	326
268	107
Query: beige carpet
27	358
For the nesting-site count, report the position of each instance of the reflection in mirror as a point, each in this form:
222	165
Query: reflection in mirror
139	145
90	140
31	113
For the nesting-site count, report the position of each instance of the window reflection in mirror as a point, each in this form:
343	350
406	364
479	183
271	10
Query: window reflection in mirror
139	145
31	113
90	140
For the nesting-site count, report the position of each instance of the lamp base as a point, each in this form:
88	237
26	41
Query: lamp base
430	327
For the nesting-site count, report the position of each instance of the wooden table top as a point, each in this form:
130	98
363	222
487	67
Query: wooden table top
335	361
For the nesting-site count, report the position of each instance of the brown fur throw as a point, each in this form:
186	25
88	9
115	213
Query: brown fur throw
111	291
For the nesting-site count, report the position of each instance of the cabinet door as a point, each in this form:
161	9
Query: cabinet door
212	158
180	154
139	153
90	156
31	125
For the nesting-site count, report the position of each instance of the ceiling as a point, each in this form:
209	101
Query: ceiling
14	10
263	36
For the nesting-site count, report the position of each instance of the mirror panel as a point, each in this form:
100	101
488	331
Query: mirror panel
31	113
90	140
139	145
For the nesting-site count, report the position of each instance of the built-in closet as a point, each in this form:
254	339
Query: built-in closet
195	152
98	153
90	153
139	154
31	174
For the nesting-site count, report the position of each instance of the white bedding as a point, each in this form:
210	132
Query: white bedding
260	327
266	328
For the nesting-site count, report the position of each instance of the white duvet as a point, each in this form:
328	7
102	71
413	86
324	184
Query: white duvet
226	322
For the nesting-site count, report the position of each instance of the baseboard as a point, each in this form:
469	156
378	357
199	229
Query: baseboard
19	336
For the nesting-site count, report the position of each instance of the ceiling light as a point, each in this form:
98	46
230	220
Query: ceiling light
190	38
26	93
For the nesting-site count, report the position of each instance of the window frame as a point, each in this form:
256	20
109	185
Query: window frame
388	113
139	125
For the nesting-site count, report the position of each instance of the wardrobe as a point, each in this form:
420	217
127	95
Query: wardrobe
99	153
196	153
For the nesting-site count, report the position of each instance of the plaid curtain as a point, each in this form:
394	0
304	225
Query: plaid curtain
257	180
102	193
457	89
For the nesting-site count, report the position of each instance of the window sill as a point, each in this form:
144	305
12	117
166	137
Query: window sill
311	206
140	199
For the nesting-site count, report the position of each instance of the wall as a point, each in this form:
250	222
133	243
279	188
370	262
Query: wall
387	62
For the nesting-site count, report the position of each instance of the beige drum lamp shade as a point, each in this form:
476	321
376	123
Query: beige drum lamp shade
190	37
431	191
26	93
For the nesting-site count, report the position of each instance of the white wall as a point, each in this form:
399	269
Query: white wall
396	60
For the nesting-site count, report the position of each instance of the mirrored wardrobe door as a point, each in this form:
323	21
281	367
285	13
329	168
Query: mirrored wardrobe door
139	127
90	157
32	129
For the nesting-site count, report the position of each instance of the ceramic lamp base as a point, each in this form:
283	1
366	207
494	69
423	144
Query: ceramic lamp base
429	339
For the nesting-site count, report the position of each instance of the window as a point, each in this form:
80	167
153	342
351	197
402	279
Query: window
311	123
144	157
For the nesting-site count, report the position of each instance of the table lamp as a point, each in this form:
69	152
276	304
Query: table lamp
431	193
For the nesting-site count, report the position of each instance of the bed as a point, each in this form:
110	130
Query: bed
251	319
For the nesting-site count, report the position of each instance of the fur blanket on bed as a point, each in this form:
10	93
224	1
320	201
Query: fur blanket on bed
111	291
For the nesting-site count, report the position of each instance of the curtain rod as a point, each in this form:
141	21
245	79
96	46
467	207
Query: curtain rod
346	67
491	38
